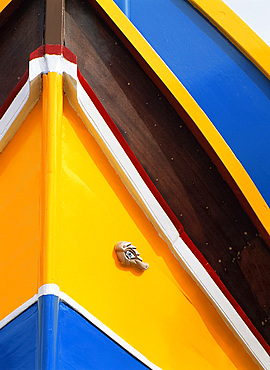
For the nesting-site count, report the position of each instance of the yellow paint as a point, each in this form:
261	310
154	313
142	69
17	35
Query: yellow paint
63	208
160	312
237	31
258	51
20	193
3	4
51	162
35	88
28	196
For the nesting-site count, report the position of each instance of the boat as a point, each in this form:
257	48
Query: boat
134	186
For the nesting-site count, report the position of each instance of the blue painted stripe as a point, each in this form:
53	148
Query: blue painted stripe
83	346
51	335
233	93
48	307
19	341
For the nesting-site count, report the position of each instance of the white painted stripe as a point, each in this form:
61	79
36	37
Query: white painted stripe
65	298
255	13
37	66
126	165
179	248
54	289
222	303
51	63
14	109
18	311
43	290
48	289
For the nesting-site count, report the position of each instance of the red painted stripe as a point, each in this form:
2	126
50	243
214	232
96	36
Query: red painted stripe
38	53
54	50
68	55
168	210
13	93
225	291
129	152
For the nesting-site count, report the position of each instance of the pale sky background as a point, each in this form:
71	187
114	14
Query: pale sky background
256	13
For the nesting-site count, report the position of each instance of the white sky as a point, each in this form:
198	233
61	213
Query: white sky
256	13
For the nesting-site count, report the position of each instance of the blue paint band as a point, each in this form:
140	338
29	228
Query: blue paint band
51	335
232	92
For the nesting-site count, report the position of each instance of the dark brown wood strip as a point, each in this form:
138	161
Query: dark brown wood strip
54	22
175	161
21	33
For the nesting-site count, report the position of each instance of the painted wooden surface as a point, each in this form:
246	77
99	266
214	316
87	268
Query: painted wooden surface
82	345
155	126
184	174
82	196
19	341
88	186
50	334
255	15
20	209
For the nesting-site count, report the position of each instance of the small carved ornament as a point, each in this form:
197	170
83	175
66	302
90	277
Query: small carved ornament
128	255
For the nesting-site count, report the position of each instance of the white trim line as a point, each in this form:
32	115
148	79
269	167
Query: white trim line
37	66
18	311
14	109
121	342
126	165
222	303
47	289
179	248
51	63
53	289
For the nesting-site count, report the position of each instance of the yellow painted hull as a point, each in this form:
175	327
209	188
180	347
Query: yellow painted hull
66	207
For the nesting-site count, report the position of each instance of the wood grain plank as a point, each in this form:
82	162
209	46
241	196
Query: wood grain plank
54	22
21	33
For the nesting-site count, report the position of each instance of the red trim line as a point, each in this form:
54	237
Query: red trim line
14	93
168	210
225	291
68	55
38	53
129	152
54	50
